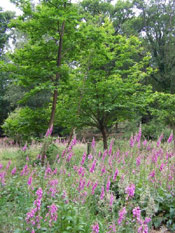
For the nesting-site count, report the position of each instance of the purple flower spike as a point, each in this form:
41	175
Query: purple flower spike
170	138
95	228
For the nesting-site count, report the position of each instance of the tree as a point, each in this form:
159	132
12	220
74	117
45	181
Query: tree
107	86
157	19
44	60
164	111
5	17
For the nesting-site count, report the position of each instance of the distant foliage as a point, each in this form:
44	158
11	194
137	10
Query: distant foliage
25	123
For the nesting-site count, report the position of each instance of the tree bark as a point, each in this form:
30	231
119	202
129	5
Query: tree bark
104	134
55	94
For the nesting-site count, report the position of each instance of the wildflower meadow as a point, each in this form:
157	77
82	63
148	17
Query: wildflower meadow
130	187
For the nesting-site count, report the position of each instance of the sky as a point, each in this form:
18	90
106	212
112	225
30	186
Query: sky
8	6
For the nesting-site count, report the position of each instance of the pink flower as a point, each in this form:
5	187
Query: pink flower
115	174
52	214
102	193
111	200
24	147
95	228
90	157
110	147
108	184
170	138
132	142
145	142
92	169
130	190
138	161
69	156
49	131
122	214
83	159
159	140
13	171
152	174
147	220
39	193
162	166
103	170
113	228
139	134
8	164
94	187
29	182
104	154
93	143
24	170
137	213
143	229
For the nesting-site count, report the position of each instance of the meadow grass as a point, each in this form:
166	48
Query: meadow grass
128	188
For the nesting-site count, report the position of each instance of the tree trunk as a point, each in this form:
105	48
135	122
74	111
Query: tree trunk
54	102
104	134
55	94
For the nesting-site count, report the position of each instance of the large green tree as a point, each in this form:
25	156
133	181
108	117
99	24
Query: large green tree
157	20
5	17
106	87
51	31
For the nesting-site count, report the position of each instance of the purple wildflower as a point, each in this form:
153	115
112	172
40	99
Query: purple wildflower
13	171
108	184
95	228
130	190
94	187
115	174
122	214
90	157
111	200
102	193
8	164
29	182
24	147
93	143
137	213
83	159
104	154
143	229
52	214
159	140
170	138
69	156
92	169
110	147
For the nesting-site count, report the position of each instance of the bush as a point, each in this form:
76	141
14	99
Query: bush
24	123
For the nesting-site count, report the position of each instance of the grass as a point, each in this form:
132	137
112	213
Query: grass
58	197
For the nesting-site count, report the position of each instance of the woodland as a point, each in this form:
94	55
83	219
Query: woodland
87	65
87	116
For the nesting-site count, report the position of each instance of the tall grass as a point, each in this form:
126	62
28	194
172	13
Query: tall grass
128	188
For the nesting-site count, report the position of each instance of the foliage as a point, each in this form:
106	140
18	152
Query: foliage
164	108
107	87
25	123
5	17
157	18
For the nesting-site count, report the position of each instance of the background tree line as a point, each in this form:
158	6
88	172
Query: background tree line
89	64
